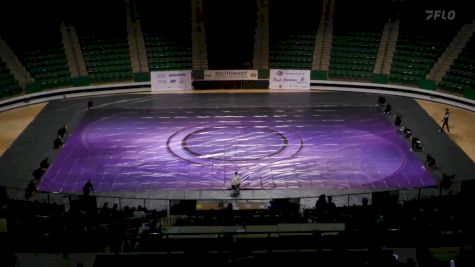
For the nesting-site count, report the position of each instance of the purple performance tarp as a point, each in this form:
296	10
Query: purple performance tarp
201	148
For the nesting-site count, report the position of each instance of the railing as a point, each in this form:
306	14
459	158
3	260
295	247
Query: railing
352	199
362	87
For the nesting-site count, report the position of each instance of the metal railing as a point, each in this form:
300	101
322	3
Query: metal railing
351	199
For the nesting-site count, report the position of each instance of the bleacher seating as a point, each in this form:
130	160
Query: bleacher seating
292	34
167	37
356	39
354	53
165	54
107	57
292	51
8	85
418	48
462	72
48	67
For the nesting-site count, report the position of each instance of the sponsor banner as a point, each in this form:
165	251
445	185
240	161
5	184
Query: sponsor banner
230	75
289	79
171	80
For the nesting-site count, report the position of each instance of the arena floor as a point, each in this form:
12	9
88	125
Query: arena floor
188	145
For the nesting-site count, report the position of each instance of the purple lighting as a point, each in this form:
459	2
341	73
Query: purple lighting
272	148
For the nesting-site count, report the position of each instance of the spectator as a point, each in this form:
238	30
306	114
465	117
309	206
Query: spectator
387	110
139	213
89	104
58	143
31	188
406	132
330	205
398	121
331	208
87	188
38	173
416	143
321	203
44	164
63	131
381	102
430	161
446	182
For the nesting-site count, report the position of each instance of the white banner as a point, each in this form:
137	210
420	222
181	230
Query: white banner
230	75
171	80
289	79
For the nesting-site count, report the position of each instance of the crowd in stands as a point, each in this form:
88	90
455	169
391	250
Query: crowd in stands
423	223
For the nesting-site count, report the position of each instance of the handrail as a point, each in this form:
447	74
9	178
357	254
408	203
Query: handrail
398	90
50	197
348	86
68	92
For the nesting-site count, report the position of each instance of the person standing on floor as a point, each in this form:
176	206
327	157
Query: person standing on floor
445	121
236	182
87	188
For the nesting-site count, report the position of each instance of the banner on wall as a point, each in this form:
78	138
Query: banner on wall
230	75
289	79
171	80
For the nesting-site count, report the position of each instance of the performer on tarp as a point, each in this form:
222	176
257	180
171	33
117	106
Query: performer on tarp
236	182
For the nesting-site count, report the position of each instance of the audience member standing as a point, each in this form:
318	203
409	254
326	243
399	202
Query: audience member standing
236	182
445	121
87	188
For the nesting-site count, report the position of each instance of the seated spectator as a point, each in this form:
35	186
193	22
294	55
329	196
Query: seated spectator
381	101
406	132
446	183
58	143
387	110
331	207
321	203
44	164
63	131
397	121
31	188
139	213
430	161
38	173
416	143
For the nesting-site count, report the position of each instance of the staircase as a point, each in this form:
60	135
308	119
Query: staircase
324	38
326	46
13	63
141	49
446	60
72	48
390	47
135	38
378	64
69	51
198	37
133	52
261	40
